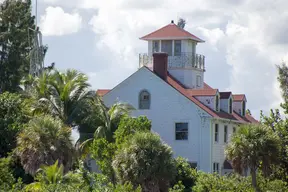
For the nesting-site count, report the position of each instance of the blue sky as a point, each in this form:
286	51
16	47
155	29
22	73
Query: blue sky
245	39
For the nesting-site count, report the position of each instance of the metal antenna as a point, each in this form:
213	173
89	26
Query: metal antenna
37	51
36	13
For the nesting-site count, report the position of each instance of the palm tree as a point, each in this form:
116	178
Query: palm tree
107	121
144	160
110	118
43	141
253	145
60	94
53	177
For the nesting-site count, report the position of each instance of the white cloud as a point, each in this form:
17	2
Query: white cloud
249	36
56	22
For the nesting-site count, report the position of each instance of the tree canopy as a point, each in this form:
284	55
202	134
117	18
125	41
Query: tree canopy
15	42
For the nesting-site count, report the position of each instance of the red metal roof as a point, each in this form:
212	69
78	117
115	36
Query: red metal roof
102	92
206	86
171	31
207	89
202	92
239	97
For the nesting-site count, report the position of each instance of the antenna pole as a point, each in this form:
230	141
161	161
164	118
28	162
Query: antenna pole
36	13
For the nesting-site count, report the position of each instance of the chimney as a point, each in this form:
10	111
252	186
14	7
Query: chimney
160	62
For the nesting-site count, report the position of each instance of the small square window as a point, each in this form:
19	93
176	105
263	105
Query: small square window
145	97
181	131
234	129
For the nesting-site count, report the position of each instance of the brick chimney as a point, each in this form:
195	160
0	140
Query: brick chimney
160	65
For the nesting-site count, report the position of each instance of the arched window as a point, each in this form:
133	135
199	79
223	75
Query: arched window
230	105
144	100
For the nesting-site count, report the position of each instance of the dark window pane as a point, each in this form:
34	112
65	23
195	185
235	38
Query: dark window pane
181	131
166	47
193	165
177	47
181	135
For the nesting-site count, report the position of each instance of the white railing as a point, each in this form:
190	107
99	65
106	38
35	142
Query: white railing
183	60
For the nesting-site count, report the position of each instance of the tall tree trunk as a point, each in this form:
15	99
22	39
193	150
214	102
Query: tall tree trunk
254	179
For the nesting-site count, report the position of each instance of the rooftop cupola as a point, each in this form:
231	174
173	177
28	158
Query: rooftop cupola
180	45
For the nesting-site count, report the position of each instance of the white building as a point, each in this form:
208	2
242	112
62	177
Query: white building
193	118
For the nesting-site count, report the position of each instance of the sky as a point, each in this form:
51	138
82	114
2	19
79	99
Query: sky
245	40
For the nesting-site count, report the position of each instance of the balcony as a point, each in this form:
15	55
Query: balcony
182	61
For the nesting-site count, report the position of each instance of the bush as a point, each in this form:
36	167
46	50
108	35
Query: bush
207	182
144	160
185	174
129	126
6	177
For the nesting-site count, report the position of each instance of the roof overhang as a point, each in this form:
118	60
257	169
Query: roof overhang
172	38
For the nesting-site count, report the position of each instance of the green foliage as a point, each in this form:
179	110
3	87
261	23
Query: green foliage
207	182
282	79
129	126
16	19
12	116
110	119
185	174
43	141
127	187
144	160
60	94
103	152
6	177
253	145
179	187
280	127
214	183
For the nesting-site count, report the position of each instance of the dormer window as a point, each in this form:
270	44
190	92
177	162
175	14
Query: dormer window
230	105
217	102
243	108
144	100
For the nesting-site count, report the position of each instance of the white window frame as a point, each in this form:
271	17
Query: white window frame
225	133
216	168
216	134
181	131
